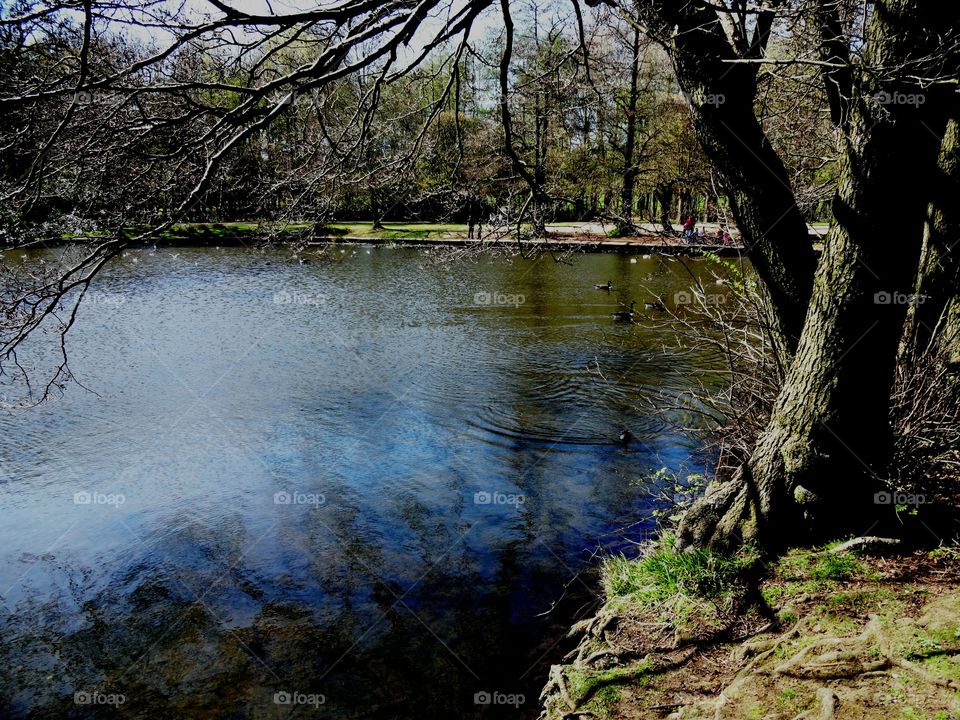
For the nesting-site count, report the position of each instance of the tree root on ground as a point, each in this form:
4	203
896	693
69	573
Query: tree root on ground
867	544
870	654
714	520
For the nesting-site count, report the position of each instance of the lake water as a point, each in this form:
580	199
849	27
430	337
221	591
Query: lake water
370	486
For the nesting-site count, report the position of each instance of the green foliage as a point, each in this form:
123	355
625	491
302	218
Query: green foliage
601	686
677	493
738	277
819	566
667	572
947	552
836	566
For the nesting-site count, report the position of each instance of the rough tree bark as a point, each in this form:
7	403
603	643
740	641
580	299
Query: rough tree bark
934	315
630	168
826	448
534	178
721	91
376	210
664	198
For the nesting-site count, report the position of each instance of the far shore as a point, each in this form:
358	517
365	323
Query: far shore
583	236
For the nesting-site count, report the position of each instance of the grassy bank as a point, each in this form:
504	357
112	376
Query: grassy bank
575	236
818	634
224	232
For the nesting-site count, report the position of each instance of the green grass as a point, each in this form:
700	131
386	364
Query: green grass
836	566
397	231
947	552
861	599
791	702
666	572
944	666
819	566
601	686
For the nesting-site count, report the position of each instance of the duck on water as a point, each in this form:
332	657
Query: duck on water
625	314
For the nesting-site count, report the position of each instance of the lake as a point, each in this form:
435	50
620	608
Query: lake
375	485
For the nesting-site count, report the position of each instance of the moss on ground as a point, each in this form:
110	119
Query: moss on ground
827	635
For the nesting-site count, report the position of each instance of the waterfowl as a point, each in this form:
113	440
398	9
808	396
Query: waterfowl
625	437
655	306
626	314
608	286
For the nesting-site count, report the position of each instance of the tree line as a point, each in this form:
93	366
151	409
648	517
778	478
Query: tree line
106	124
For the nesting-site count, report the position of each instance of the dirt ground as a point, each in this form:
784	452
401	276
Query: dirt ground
820	637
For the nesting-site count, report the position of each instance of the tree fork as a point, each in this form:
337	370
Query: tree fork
721	92
931	317
826	448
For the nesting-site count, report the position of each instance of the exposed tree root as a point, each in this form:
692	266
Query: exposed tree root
715	520
826	705
870	654
868	544
557	683
859	647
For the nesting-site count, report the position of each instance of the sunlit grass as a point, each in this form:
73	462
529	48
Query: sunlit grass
398	231
667	572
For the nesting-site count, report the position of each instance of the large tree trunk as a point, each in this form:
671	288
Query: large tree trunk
664	198
535	177
376	210
630	142
826	449
930	318
721	93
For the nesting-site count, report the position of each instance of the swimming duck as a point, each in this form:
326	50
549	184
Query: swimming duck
655	306
608	286
625	437
626	314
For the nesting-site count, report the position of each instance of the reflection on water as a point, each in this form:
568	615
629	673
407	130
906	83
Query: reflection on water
364	480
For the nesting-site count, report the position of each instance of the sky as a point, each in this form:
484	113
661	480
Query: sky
489	21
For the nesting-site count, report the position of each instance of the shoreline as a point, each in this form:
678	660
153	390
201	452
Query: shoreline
583	238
